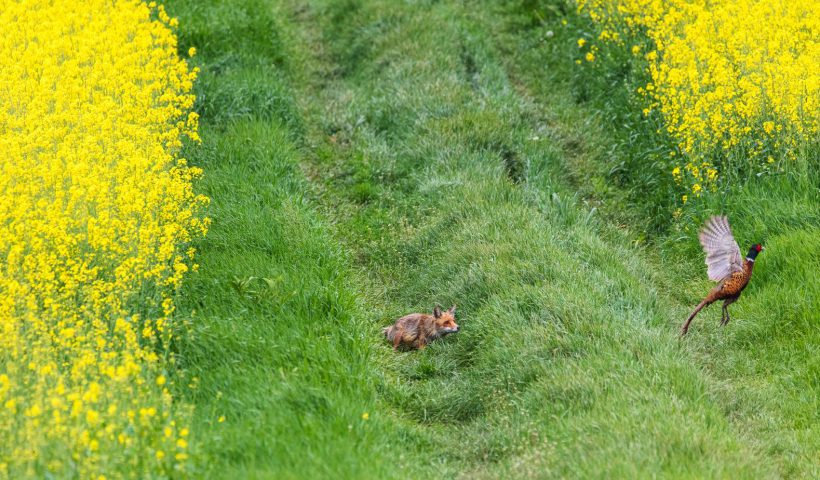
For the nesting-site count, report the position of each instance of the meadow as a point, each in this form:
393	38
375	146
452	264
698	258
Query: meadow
360	160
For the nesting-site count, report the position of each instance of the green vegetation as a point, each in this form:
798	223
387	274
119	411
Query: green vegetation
368	159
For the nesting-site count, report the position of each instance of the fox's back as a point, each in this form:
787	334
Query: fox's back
413	320
413	324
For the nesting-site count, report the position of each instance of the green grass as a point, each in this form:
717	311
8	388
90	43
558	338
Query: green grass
765	363
368	159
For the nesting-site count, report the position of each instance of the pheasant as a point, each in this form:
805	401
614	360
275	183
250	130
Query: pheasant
724	266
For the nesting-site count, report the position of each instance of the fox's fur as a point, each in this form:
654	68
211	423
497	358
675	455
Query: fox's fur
418	329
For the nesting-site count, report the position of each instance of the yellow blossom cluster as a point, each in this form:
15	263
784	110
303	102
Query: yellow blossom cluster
733	81
591	51
97	213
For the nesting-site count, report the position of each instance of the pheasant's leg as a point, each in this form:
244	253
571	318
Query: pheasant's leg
726	304
724	315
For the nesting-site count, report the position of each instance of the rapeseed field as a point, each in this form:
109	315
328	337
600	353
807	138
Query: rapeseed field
736	83
97	215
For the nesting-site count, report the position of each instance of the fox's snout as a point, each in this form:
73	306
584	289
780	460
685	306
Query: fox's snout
450	328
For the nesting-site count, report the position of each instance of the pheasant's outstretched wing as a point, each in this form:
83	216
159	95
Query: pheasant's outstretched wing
722	252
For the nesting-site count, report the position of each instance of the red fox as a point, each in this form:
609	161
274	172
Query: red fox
418	329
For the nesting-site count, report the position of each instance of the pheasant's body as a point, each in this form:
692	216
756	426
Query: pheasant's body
724	265
733	284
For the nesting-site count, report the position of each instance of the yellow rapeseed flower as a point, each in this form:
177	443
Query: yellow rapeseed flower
718	78
97	213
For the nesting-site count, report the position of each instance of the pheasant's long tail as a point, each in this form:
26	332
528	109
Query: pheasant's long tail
700	306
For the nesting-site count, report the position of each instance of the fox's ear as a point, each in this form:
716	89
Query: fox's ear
452	310
437	312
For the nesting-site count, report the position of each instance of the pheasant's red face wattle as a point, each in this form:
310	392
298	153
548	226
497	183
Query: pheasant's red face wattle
759	247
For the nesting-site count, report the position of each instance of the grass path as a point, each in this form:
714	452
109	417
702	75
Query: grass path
366	159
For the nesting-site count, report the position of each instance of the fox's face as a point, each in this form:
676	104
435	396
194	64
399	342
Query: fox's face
445	321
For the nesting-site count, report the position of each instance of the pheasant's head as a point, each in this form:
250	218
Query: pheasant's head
754	250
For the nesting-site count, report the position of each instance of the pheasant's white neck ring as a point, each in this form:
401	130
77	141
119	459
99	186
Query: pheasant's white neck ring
750	259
